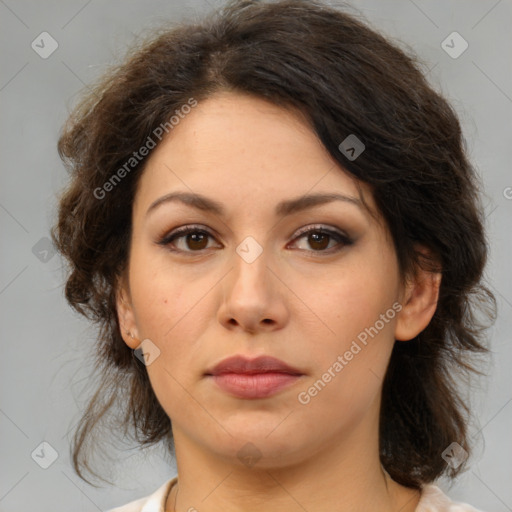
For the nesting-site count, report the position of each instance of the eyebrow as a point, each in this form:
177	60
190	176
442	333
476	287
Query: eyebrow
284	208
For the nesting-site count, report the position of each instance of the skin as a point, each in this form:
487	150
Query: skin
294	302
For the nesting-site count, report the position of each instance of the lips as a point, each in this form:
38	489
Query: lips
253	378
262	364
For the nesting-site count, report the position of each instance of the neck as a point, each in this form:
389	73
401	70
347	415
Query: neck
345	476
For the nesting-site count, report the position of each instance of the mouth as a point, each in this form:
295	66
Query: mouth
253	386
253	378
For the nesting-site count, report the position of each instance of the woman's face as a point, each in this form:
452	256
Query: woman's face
249	280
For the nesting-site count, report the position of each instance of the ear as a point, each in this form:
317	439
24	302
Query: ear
126	316
419	301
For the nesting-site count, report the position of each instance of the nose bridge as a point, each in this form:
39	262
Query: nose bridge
250	266
252	298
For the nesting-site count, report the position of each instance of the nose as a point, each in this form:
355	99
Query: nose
254	296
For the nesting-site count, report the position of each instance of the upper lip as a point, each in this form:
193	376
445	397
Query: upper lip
261	364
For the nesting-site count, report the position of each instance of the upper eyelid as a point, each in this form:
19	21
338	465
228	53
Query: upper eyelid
200	227
320	227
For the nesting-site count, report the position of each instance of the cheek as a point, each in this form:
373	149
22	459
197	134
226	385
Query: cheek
353	301
347	379
161	296
358	309
169	311
172	309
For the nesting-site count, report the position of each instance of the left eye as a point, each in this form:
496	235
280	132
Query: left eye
319	239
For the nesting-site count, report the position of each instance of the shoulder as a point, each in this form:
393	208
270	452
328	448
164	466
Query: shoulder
433	499
153	503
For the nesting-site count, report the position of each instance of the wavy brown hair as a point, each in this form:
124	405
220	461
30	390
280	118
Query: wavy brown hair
345	78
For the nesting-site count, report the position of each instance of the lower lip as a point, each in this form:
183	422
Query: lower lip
259	385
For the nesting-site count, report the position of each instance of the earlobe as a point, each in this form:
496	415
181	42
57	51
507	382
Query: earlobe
126	318
419	304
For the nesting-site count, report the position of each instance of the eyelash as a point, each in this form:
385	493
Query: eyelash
341	238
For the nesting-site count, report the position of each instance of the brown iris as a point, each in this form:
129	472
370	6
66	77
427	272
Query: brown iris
194	241
320	239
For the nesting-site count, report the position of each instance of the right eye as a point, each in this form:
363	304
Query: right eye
191	238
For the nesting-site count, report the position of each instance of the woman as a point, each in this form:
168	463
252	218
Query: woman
273	221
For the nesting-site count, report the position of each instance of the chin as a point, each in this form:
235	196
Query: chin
258	447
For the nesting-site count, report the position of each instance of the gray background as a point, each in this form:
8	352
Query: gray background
44	365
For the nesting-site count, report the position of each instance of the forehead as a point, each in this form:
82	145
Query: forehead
237	147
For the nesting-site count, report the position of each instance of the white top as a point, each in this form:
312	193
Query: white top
432	500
